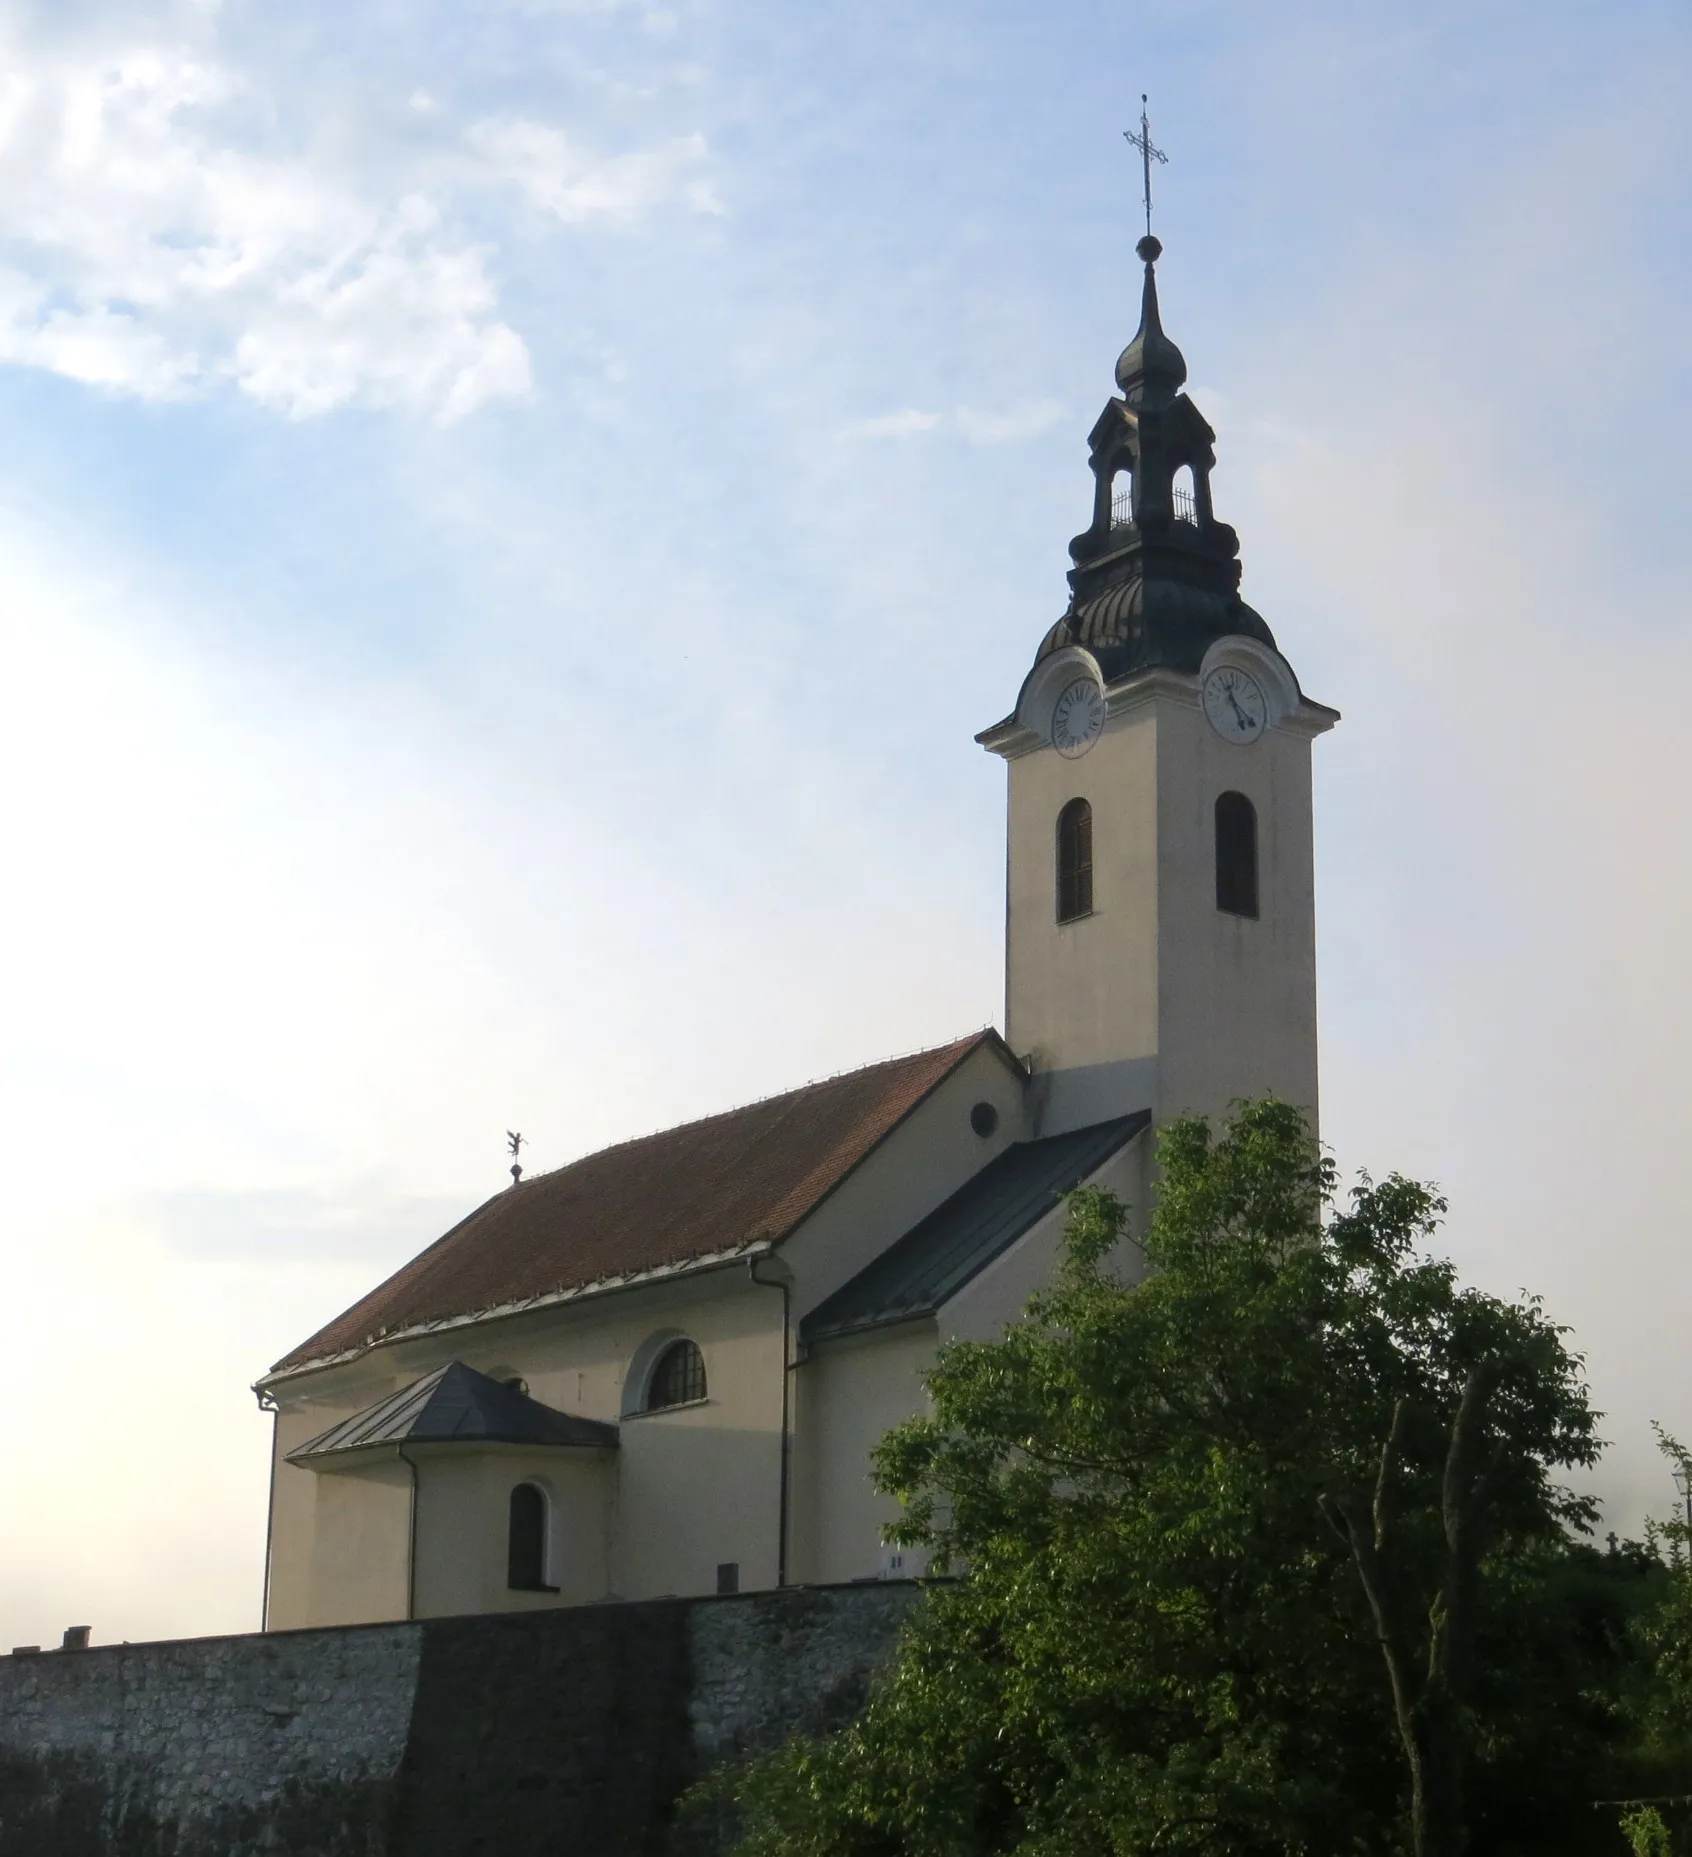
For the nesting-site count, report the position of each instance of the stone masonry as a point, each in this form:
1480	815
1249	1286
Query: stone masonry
569	1733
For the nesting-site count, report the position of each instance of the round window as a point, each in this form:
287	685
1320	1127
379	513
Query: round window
984	1119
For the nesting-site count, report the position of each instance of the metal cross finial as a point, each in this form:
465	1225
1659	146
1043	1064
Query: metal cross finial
1149	152
514	1142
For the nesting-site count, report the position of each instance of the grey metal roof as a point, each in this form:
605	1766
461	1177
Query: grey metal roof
457	1405
959	1239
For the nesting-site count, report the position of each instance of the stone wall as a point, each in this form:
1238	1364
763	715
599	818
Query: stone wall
570	1733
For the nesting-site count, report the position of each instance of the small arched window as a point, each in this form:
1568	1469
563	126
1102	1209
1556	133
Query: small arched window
1236	855
526	1541
1075	861
1122	499
1182	504
678	1377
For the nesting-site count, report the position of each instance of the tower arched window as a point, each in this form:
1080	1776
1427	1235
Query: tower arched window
1236	855
1075	861
526	1541
1183	504
1122	498
678	1377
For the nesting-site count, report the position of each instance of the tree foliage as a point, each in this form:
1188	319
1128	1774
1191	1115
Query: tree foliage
1154	1640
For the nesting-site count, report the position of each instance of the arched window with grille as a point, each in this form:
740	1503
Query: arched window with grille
526	1541
678	1377
1236	855
1182	503
1075	861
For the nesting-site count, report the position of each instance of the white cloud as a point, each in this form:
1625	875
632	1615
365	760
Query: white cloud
1007	424
101	346
563	180
152	256
149	252
409	323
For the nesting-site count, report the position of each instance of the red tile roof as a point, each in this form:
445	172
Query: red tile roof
703	1190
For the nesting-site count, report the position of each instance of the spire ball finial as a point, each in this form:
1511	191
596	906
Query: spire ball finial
1150	370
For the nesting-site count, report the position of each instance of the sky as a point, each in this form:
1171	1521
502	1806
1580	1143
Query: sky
512	511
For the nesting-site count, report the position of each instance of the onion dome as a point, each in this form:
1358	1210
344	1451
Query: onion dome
1156	576
1151	370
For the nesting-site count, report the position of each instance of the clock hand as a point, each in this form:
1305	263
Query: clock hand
1234	704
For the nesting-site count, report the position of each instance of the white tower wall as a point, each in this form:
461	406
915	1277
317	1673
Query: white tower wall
1159	999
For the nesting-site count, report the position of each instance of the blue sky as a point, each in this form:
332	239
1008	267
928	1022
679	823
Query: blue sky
511	514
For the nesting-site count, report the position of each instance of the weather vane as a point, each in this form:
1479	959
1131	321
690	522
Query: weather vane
514	1142
1149	152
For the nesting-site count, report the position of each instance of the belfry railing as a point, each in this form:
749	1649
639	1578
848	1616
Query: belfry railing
1182	504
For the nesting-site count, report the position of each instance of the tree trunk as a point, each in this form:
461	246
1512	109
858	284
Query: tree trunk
1429	1711
1436	1782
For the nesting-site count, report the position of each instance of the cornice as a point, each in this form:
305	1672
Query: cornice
499	1312
1013	738
1008	738
1146	687
1309	719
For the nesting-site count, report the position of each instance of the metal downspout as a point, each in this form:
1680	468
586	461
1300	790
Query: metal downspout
786	1373
267	1404
410	1539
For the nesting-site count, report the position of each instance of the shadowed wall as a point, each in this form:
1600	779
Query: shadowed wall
570	1733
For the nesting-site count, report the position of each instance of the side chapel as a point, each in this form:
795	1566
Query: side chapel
661	1369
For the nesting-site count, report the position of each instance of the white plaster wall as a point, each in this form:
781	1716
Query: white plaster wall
699	1485
360	1546
1084	993
854	1389
985	1305
1236	996
1158	999
849	1393
690	1488
293	1525
314	1528
463	1520
922	1163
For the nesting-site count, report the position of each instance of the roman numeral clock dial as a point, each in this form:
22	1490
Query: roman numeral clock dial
1077	717
1234	704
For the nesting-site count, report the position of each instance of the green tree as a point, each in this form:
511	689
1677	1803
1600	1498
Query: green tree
1660	1697
1156	1641
1646	1833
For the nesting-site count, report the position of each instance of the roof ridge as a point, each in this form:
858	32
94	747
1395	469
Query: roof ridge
755	1102
690	1196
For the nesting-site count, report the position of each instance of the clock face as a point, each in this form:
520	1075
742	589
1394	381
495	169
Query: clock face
1234	703
1077	717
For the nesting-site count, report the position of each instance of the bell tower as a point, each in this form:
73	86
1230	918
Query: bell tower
1160	939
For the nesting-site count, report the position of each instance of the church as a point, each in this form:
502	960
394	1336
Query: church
661	1369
